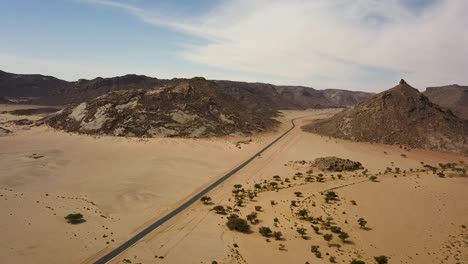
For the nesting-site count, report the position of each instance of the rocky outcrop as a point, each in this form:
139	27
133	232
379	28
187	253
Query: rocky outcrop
184	108
401	115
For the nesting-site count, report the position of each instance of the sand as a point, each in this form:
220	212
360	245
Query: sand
118	184
413	218
121	185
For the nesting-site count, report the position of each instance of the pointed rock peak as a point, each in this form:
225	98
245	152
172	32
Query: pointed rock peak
403	82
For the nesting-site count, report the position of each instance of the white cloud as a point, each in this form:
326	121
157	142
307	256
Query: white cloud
361	44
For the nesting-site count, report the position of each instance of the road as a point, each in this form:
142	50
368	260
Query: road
133	240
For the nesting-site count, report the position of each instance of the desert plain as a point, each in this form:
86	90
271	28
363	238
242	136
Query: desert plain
121	185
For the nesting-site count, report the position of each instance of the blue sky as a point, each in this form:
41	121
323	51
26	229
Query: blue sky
360	45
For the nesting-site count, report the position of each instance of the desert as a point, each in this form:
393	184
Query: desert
234	132
120	185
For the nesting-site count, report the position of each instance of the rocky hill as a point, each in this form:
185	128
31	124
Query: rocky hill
83	90
29	86
292	97
401	115
46	90
453	97
181	108
345	98
278	97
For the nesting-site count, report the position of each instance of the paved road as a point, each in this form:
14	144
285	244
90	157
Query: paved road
114	253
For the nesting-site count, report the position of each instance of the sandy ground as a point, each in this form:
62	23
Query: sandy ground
412	217
121	185
118	184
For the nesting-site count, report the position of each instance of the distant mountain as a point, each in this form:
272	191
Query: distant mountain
31	86
401	115
453	97
345	98
39	89
278	97
181	108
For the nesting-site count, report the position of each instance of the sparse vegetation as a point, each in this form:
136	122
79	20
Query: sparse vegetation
252	218
362	223
278	235
331	196
298	194
205	199
265	231
238	224
381	259
303	213
219	209
75	218
328	237
343	236
302	231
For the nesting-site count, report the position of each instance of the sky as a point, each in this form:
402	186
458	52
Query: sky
366	45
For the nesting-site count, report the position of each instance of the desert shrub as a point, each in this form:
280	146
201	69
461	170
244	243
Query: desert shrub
252	218
328	237
258	186
353	202
331	196
343	236
294	203
219	209
354	261
258	208
274	184
237	186
303	213
381	259
314	248
373	178
316	229
251	195
205	199
302	231
238	224
265	231
278	235
75	219
362	222
332	259
298	194
335	229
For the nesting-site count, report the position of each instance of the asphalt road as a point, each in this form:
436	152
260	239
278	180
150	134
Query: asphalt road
133	240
